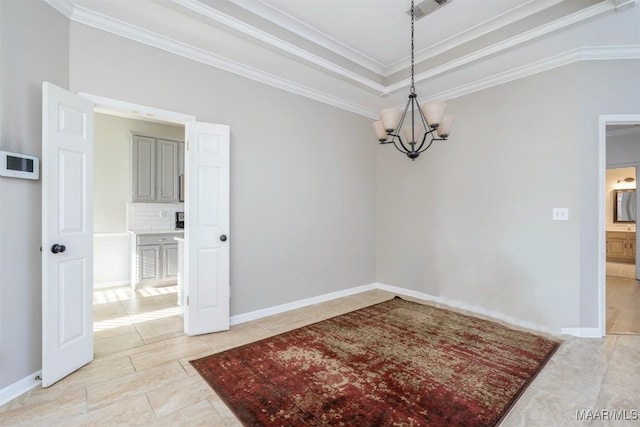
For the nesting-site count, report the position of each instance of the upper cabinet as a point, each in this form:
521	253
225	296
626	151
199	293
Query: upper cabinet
155	166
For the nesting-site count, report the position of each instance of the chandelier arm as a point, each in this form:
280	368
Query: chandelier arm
420	150
425	123
424	138
399	128
403	150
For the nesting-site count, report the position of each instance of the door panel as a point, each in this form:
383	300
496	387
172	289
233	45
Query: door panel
207	228
67	209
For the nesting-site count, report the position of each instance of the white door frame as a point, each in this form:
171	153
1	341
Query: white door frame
135	111
603	121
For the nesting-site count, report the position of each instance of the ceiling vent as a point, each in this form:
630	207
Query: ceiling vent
426	7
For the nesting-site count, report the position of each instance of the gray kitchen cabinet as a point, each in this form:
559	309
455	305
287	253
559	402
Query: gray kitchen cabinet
149	263
156	258
170	261
155	167
143	171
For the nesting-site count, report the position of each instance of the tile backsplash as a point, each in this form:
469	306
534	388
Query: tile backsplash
152	216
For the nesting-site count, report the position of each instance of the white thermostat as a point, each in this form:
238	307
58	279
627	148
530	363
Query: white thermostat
19	165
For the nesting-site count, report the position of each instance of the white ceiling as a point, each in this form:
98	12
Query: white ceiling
354	54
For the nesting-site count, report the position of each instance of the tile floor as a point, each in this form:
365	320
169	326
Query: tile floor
141	374
621	269
623	305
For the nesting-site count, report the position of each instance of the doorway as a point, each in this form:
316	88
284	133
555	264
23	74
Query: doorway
126	316
67	228
619	154
623	290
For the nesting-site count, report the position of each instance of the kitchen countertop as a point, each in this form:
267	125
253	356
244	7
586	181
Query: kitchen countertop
156	231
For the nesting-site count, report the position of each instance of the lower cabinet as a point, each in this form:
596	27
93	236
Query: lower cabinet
170	262
621	246
156	259
148	262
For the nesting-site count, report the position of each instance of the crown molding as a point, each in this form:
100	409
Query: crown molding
289	23
65	7
114	26
131	32
502	20
509	43
589	53
251	31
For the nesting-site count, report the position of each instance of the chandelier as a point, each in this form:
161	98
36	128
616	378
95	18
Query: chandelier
428	123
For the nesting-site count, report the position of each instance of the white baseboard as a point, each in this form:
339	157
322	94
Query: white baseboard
110	284
470	308
270	311
446	302
19	387
582	332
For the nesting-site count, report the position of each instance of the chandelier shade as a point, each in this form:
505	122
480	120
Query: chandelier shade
413	130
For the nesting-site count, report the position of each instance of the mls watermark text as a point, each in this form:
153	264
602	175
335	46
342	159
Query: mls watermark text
607	415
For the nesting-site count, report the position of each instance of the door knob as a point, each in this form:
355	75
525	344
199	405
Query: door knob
56	248
223	238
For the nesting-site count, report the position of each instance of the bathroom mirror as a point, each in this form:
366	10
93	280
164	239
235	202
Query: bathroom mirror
624	206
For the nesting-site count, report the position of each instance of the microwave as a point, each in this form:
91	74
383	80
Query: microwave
16	165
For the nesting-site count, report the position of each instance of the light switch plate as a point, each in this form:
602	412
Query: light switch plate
561	214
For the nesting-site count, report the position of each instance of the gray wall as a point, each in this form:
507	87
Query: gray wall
34	47
302	173
471	219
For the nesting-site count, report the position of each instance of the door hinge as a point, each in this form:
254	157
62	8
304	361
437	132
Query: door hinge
187	301
187	145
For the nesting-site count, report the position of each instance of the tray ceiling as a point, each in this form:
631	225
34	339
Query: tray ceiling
355	53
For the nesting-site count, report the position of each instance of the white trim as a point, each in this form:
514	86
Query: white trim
289	23
590	53
495	23
459	305
509	43
65	7
20	387
582	332
216	15
104	285
149	38
603	121
143	111
270	311
131	32
470	308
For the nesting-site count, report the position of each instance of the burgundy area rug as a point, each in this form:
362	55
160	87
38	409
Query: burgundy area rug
397	363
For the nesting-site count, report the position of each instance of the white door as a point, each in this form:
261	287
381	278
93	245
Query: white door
67	233
206	228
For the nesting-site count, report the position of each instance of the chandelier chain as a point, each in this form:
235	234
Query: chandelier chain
413	88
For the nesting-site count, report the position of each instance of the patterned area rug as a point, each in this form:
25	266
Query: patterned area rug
397	363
